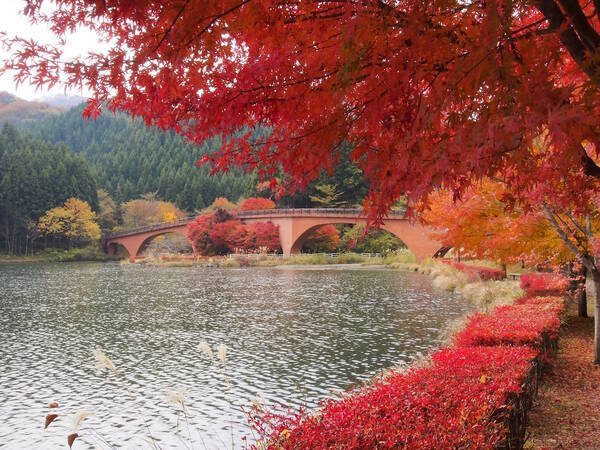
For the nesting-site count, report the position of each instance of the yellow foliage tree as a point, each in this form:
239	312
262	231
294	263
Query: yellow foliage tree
74	221
149	211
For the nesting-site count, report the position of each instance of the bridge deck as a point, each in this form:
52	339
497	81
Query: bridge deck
266	213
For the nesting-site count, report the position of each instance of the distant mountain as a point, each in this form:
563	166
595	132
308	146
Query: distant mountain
19	112
6	98
63	101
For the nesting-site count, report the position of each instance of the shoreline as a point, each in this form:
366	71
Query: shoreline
348	266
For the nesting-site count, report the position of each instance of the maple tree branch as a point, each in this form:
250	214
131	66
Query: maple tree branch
585	259
590	168
584	29
179	13
578	225
213	20
579	48
566	225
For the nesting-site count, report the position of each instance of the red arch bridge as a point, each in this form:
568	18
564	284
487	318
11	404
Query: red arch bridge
294	227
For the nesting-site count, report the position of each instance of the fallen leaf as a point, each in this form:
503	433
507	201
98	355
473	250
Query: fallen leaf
49	419
71	438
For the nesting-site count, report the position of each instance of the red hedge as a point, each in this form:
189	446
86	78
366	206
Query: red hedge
477	272
474	395
524	324
556	304
540	283
460	401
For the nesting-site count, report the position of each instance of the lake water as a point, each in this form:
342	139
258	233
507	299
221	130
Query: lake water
294	336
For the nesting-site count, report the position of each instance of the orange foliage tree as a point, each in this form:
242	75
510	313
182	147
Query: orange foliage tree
149	210
484	224
256	203
325	238
221	203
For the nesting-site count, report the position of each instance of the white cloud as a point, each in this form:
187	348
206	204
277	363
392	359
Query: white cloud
14	23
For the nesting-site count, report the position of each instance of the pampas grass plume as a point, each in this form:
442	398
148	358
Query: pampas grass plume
80	417
222	352
103	361
205	348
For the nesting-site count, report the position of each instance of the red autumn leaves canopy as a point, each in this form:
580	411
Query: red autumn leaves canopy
509	90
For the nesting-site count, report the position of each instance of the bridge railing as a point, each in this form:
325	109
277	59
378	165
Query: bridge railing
279	255
312	212
155	226
256	213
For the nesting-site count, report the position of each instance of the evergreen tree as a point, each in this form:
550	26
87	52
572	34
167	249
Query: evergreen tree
128	159
35	177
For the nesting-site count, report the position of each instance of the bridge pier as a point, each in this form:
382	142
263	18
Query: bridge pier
286	235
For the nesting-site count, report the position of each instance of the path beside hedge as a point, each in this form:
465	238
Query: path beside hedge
566	414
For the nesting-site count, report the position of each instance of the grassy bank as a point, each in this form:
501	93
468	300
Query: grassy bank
89	253
402	258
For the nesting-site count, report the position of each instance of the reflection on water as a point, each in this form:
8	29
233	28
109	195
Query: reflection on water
293	336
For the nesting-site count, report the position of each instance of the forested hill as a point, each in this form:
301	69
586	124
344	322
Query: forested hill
129	159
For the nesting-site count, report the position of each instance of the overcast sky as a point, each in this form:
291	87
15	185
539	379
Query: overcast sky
15	24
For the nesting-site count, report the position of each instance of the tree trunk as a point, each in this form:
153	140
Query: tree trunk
581	294
596	280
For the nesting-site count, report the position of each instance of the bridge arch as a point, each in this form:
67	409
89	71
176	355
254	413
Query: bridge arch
299	242
415	237
135	243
